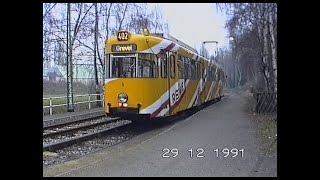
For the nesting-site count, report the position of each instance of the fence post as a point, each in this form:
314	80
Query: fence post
89	101
50	104
103	100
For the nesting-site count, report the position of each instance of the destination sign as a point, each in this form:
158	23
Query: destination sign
124	48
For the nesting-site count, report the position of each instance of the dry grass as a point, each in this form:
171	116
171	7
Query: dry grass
267	131
266	124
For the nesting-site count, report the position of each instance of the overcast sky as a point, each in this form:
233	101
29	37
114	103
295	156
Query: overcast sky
194	23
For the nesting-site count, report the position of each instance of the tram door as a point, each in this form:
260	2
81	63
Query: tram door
171	78
165	82
168	72
168	78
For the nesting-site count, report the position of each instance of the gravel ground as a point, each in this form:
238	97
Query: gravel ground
75	151
70	135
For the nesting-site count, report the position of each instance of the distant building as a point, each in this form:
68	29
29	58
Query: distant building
51	73
81	72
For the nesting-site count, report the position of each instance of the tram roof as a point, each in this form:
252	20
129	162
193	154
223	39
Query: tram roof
179	43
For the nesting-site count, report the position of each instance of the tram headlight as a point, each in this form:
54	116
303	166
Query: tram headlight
123	98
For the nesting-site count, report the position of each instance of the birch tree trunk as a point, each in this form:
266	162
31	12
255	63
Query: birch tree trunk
265	48
273	50
239	72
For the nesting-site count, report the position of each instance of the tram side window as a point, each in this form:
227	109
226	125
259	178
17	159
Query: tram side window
107	67
173	67
189	69
161	68
154	69
186	68
144	68
202	72
164	69
198	71
147	67
193	70
180	67
212	73
183	75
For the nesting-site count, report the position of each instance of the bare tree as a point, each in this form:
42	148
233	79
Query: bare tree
253	26
140	19
47	9
273	33
90	28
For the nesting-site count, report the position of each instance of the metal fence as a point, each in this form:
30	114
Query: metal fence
266	102
89	101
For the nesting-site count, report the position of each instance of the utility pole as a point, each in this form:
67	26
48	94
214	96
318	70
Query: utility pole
216	50
69	63
95	56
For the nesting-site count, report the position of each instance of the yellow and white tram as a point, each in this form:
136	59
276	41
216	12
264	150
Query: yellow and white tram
151	76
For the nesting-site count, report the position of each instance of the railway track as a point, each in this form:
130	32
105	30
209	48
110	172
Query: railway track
63	135
75	126
68	122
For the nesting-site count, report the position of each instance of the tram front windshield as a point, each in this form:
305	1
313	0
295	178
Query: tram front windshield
123	67
126	66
